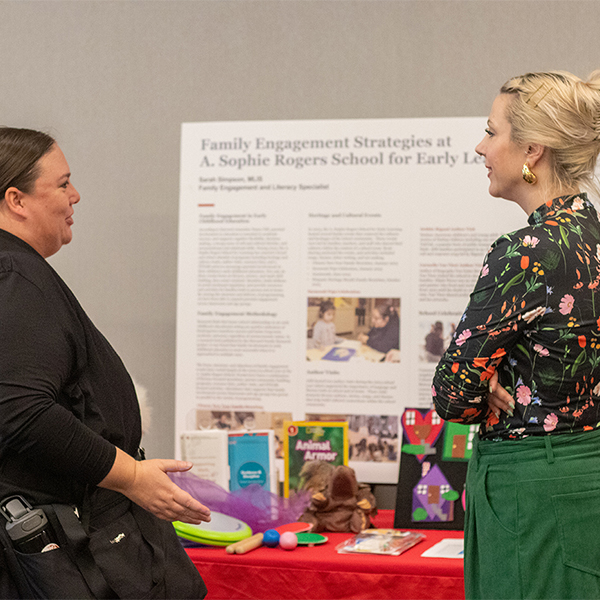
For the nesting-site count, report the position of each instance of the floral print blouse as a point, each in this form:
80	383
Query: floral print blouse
534	316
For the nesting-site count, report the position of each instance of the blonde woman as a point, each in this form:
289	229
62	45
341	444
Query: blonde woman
525	358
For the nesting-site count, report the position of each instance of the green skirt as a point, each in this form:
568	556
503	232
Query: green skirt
532	526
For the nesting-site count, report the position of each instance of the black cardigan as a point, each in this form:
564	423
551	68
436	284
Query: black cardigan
66	399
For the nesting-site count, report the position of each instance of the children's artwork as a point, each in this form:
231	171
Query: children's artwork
306	441
340	354
458	441
433	497
433	469
422	431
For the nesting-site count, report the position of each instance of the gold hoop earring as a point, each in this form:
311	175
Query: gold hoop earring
528	176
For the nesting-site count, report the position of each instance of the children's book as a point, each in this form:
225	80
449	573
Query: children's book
208	450
252	459
305	441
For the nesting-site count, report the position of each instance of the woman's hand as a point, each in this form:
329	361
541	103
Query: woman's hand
147	484
393	356
499	399
362	337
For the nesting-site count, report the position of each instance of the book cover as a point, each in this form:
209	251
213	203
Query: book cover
252	459
380	541
208	450
305	441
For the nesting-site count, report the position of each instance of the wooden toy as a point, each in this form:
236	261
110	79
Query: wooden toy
246	545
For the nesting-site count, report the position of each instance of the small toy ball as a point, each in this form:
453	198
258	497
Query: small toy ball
271	538
288	540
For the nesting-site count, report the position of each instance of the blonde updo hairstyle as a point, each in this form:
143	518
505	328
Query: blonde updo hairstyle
561	112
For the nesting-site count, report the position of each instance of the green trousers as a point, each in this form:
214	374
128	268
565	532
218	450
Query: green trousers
532	526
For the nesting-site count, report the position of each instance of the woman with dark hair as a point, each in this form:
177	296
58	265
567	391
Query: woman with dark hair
69	416
525	359
384	334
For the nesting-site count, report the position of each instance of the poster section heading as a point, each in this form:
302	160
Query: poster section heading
240	153
262	152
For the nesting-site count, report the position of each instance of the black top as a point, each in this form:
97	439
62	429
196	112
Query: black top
434	343
386	338
66	399
534	316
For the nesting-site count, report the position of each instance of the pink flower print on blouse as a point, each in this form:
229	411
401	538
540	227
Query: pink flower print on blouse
566	304
485	270
550	422
541	350
530	241
463	337
523	395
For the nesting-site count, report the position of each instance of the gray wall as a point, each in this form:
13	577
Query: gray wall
113	81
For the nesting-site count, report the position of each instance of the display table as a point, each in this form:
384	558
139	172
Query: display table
321	573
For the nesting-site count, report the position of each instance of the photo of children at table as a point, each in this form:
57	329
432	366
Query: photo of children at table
350	329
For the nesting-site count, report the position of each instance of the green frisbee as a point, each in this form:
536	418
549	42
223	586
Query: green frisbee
221	531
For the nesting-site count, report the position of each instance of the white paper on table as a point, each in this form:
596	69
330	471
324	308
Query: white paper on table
447	548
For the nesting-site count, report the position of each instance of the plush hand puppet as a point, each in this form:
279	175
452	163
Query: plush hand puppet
338	502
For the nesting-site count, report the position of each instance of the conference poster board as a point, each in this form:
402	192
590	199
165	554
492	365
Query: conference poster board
278	217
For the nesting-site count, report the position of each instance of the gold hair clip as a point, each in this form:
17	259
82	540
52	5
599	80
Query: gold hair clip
536	91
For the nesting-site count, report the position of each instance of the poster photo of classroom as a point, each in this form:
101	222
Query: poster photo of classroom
343	329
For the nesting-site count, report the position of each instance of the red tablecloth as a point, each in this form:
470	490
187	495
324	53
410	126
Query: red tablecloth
321	573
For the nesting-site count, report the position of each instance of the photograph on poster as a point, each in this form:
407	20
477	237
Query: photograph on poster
435	335
371	438
231	420
350	329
